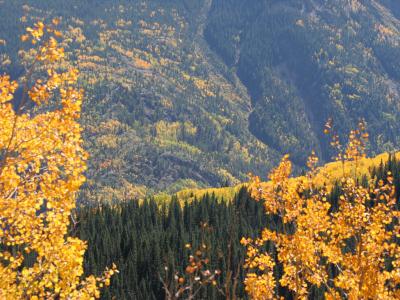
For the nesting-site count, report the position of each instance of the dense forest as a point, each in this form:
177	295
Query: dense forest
186	94
142	239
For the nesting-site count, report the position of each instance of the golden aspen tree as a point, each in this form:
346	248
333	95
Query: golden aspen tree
350	251
41	170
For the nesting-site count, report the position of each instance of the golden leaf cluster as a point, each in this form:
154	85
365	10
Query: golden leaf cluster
350	250
41	169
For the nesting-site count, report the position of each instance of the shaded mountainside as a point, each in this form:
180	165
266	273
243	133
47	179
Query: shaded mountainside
187	94
305	61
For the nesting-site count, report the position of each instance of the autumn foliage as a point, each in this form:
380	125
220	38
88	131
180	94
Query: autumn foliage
347	250
41	169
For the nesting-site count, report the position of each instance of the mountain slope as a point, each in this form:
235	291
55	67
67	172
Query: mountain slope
311	60
190	94
327	175
162	111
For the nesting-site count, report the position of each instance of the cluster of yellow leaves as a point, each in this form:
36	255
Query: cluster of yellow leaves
356	145
384	32
41	169
142	64
356	239
123	23
202	85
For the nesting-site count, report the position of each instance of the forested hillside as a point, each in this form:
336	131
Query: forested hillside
144	239
306	61
185	94
160	111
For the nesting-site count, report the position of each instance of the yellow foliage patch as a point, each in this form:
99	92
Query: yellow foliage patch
41	170
141	64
